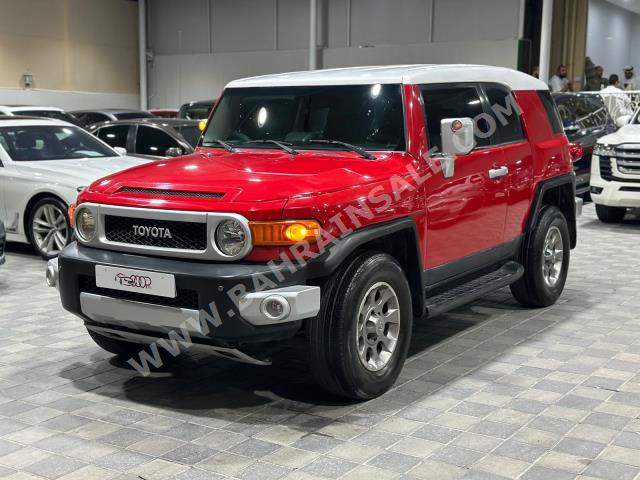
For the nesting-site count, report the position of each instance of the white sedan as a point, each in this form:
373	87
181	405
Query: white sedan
43	165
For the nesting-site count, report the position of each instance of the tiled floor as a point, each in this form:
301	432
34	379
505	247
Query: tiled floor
491	391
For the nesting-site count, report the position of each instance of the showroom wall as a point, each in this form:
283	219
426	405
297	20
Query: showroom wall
200	45
81	53
613	38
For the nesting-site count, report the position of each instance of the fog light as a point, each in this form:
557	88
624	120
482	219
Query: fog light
596	190
275	307
51	274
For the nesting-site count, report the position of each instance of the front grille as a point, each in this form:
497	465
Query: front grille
605	169
630	189
184	235
628	159
183	299
171	193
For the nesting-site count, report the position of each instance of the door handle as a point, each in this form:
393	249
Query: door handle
498	172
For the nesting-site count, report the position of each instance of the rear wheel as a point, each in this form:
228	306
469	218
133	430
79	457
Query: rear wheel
48	227
610	214
358	342
545	259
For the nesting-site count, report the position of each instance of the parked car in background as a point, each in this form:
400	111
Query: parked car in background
39	111
152	138
197	109
3	238
44	163
89	117
585	119
615	172
164	112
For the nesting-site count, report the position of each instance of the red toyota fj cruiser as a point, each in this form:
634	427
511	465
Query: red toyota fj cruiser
339	204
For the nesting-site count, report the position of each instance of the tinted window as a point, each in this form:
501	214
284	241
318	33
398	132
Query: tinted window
153	141
91	118
132	115
552	112
116	136
196	112
30	143
369	116
191	134
442	102
505	112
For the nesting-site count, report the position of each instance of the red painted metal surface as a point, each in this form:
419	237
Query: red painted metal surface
455	217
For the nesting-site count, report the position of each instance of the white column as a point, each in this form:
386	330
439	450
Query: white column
545	39
313	34
142	52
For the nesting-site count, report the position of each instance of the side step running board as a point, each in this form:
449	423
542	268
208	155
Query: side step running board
479	287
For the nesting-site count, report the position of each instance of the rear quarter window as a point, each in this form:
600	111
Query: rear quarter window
552	111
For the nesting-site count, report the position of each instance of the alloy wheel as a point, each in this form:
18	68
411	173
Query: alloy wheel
378	326
553	257
49	229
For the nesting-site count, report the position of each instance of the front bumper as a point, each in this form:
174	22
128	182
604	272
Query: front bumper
612	193
220	304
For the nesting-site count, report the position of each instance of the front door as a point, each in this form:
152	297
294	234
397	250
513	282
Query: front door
465	213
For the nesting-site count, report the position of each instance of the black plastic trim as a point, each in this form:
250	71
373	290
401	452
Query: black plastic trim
543	187
459	271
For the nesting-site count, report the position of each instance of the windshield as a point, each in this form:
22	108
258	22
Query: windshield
132	115
196	112
191	134
368	116
51	142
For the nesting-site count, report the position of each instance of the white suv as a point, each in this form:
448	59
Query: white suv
615	172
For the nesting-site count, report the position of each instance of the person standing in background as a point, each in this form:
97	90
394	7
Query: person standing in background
629	82
597	82
615	99
559	82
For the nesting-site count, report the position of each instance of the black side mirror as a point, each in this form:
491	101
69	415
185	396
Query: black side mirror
174	152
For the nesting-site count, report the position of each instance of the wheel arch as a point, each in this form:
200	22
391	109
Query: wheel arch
398	238
559	192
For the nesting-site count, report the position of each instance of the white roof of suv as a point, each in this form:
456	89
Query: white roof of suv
407	74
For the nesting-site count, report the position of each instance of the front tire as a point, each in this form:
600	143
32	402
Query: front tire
545	259
359	341
610	214
48	225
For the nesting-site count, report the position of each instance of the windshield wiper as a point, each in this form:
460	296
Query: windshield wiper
223	144
361	151
282	145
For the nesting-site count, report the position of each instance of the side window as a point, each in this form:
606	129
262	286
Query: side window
116	136
552	112
505	112
442	102
92	118
153	141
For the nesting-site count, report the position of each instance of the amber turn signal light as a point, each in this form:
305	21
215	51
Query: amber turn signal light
71	211
284	232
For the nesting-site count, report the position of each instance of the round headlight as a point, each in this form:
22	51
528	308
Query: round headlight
85	225
231	237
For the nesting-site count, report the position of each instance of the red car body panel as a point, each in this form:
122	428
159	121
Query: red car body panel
454	217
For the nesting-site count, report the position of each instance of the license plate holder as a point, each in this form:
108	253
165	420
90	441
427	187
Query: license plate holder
137	281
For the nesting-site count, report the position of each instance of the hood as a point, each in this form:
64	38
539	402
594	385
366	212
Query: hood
77	172
258	175
626	134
